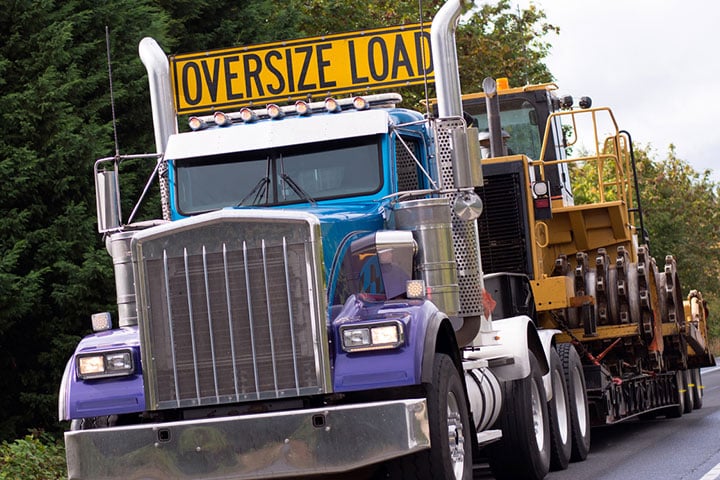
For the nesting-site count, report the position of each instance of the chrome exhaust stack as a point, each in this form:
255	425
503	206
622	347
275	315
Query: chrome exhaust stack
444	55
458	167
163	108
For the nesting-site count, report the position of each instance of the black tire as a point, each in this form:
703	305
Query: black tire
91	423
451	454
697	388
688	392
676	411
559	414
524	451
577	401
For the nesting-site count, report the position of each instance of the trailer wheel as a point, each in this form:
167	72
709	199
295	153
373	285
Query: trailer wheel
688	391
697	389
676	411
450	456
524	451
559	414
577	400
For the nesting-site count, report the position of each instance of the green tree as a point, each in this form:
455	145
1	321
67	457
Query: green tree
499	42
55	121
682	216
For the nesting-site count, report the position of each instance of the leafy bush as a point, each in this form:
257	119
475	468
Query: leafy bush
35	457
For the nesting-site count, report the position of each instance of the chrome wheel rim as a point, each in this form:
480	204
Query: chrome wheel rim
456	436
538	419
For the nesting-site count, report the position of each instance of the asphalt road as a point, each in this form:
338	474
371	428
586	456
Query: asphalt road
686	448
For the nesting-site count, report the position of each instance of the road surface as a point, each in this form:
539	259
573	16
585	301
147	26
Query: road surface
686	448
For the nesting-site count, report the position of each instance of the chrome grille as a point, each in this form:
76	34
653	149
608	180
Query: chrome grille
231	309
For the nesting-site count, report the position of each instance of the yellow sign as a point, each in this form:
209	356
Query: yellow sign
300	69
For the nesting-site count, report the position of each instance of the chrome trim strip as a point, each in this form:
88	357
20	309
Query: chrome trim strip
269	313
211	333
250	319
192	325
290	315
230	321
170	326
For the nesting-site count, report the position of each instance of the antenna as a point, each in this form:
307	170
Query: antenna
422	46
112	96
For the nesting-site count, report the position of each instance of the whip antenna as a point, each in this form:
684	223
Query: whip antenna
422	46
112	96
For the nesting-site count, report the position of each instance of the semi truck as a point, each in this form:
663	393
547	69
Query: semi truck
325	291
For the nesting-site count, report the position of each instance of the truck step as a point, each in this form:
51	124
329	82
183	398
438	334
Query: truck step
488	436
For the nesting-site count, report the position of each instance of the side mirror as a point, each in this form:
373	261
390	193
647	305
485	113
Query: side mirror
467	171
107	195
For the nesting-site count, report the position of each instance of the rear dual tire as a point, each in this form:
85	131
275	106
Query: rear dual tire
559	414
577	401
524	451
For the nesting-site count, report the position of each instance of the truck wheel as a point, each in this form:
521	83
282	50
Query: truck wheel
676	411
450	427
577	401
450	456
524	451
559	415
90	423
697	389
688	391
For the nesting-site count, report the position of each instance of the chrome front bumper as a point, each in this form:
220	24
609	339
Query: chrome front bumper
268	445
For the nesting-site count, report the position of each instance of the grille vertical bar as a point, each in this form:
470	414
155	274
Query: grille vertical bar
230	320
192	324
212	335
170	327
269	316
250	319
232	309
292	321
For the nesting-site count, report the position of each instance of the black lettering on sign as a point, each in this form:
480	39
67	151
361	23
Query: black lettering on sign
401	58
422	45
186	84
322	63
212	78
252	73
353	65
229	77
381	73
305	66
291	73
279	71
274	54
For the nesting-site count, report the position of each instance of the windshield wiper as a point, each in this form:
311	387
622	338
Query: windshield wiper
297	189
258	190
261	187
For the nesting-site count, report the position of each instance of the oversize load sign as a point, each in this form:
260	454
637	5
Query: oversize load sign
298	69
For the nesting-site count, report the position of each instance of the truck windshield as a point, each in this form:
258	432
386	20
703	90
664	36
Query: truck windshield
293	174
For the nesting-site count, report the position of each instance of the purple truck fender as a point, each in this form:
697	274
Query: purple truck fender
401	366
100	397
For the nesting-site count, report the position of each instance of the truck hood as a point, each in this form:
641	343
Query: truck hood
338	220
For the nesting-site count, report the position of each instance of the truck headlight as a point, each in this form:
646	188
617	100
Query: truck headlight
357	338
105	364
